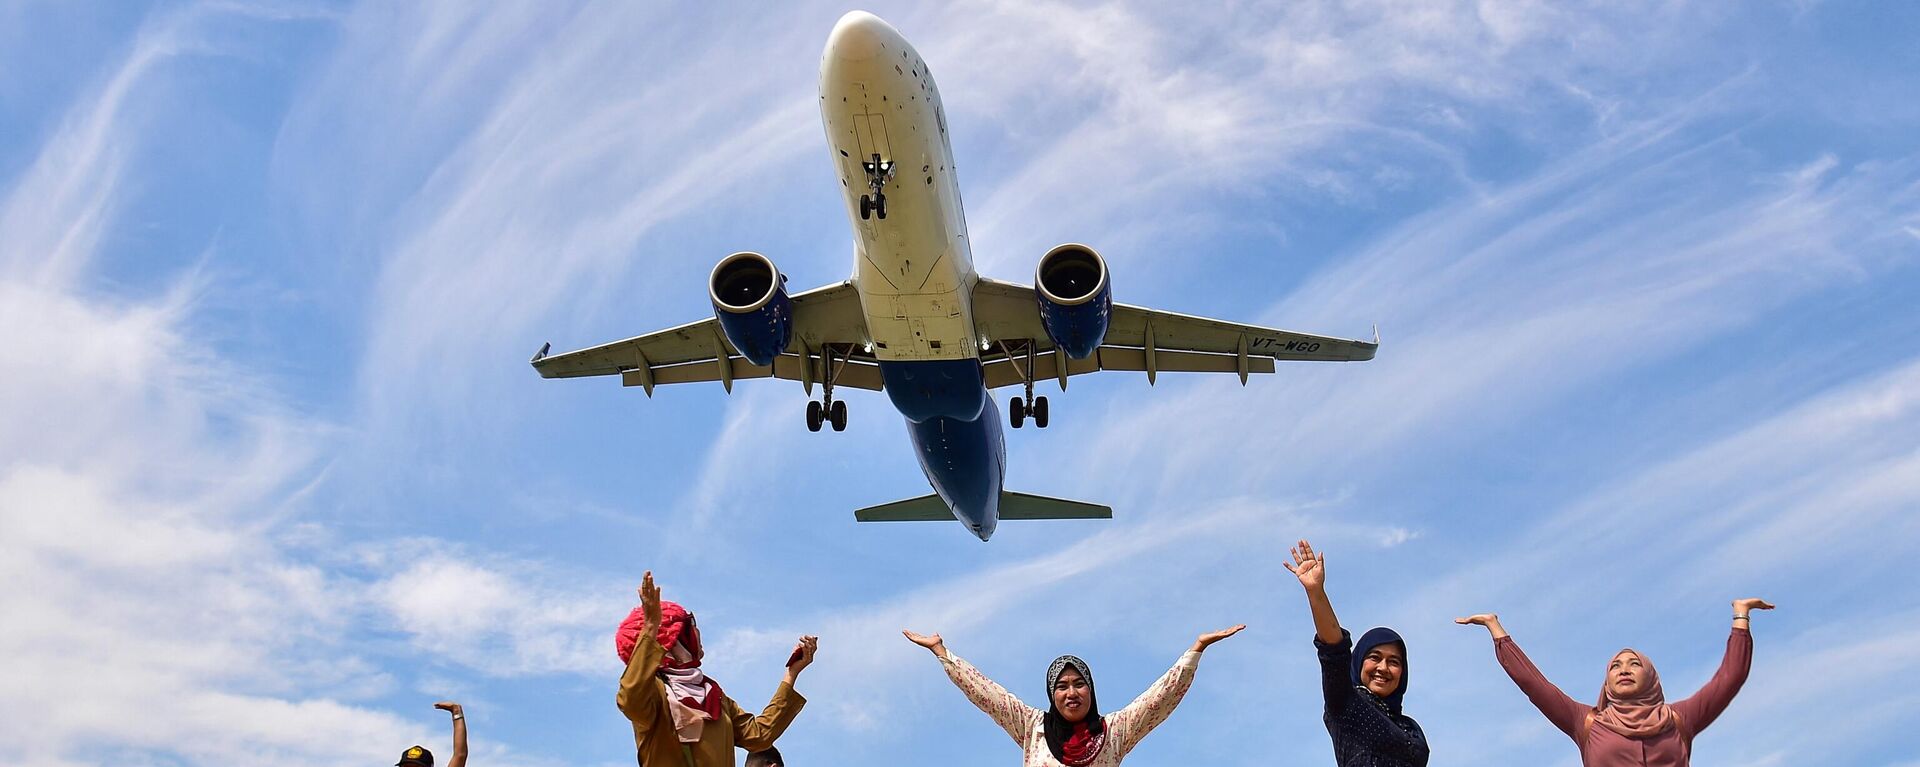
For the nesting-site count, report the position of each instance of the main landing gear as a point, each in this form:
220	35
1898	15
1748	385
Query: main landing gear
874	203
1019	409
828	410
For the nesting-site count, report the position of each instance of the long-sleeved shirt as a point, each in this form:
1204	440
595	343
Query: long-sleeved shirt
1602	747
1364	733
1022	722
644	699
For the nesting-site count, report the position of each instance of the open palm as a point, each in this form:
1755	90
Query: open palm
1308	566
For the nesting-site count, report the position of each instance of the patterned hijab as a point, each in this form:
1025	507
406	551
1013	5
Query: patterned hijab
1073	743
1642	714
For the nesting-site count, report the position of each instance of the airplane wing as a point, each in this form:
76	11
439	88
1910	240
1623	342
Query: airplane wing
1147	340
825	320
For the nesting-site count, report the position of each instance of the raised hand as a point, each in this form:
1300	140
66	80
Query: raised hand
1309	567
932	642
1489	620
802	655
650	599
1742	606
803	651
1200	644
449	707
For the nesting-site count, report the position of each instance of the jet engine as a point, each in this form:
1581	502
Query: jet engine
1076	299
750	301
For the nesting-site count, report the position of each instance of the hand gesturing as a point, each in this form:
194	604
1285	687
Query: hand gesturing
650	599
932	642
1201	643
1309	567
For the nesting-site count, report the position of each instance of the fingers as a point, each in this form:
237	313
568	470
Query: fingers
1763	604
1463	621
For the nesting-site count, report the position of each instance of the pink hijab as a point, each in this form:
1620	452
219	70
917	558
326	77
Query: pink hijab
1643	714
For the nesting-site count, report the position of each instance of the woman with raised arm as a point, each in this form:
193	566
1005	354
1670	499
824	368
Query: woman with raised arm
1632	725
1363	684
680	717
1072	732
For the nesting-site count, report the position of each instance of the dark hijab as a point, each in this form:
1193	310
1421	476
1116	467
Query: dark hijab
1374	638
1056	727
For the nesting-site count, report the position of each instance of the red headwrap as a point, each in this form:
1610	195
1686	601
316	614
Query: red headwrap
674	621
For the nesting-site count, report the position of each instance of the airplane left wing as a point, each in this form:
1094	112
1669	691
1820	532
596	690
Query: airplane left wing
1148	340
825	320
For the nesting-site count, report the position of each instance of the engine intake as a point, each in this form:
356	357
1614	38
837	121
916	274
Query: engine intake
1076	299
750	301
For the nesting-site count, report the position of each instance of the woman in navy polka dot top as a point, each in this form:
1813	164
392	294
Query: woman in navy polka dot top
1363	683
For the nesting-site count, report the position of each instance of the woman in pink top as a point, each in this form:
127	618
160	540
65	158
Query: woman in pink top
1071	732
1632	725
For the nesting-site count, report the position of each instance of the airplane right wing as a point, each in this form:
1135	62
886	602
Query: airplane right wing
1148	340
826	319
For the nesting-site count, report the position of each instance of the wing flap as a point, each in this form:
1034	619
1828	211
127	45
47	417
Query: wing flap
1122	358
859	375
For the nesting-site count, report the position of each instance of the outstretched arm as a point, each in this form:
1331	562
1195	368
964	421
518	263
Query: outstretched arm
1311	569
459	732
1127	726
1564	712
1700	709
637	697
987	695
758	733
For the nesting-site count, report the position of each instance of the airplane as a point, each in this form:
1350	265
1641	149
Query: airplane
915	320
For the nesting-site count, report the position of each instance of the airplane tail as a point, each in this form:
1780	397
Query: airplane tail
929	508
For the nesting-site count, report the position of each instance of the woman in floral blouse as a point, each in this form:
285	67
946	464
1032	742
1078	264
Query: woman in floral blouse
1072	732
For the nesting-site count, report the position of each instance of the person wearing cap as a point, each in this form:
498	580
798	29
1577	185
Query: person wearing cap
1363	683
1072	732
680	716
419	756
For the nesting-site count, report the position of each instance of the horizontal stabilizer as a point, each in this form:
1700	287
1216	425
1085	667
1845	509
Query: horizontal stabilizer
929	508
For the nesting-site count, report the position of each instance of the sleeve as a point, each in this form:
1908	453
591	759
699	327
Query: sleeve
1126	727
1564	712
757	733
638	698
1699	710
1007	711
1336	671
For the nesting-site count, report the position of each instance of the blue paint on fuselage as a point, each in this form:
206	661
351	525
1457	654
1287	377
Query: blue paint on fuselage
956	434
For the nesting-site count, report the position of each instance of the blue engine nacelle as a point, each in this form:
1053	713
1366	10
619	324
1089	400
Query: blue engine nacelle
1076	299
750	301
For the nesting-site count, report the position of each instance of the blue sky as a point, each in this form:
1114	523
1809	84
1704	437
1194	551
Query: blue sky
274	475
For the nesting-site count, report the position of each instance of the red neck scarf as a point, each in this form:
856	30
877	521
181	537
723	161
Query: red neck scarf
1082	747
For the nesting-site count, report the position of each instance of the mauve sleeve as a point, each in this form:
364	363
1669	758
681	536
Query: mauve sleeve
1564	712
1703	707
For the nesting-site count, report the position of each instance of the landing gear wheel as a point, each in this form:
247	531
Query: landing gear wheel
813	415
838	414
880	206
1017	412
1040	412
866	208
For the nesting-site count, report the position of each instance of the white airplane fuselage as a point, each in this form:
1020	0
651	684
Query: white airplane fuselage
913	266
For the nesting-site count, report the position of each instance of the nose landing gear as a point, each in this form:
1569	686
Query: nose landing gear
874	203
